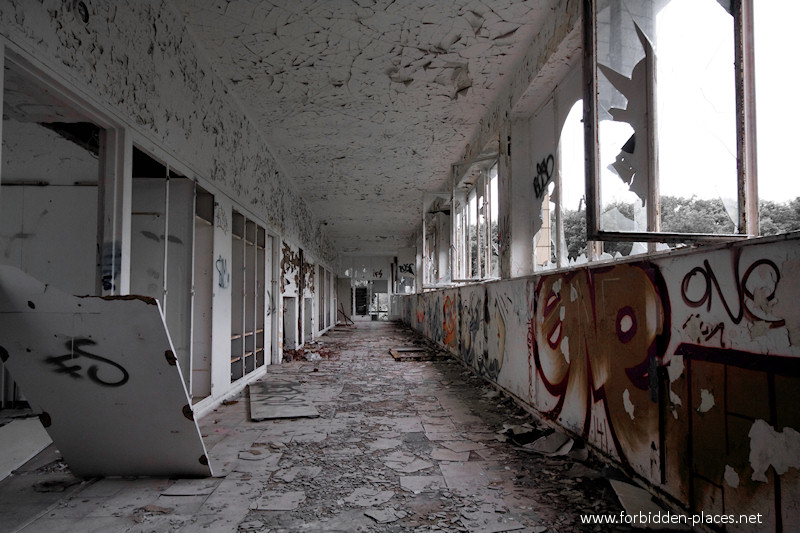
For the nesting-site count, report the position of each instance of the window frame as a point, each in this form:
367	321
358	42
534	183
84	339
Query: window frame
461	218
745	141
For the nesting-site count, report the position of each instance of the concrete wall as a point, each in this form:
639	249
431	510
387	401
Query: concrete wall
683	368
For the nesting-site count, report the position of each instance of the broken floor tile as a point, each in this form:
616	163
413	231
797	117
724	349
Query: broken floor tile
367	497
191	487
490	518
253	455
417	484
290	474
385	516
409	467
462	445
464	475
278	501
636	500
384	444
442	454
553	444
442	426
443	436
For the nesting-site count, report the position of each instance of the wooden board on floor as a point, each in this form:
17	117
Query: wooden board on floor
20	441
410	353
104	374
279	399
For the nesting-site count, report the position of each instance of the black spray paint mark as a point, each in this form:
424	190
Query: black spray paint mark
220	218
72	369
544	174
110	265
407	268
222	270
709	283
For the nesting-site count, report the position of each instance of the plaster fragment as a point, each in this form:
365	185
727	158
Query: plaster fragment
626	401
557	286
675	399
675	368
768	447
759	329
565	348
706	401
731	477
573	294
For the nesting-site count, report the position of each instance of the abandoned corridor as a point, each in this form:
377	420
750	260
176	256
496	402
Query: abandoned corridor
397	446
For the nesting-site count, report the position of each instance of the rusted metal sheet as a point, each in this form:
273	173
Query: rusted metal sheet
104	374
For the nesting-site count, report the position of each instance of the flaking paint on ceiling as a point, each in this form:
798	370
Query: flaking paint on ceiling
366	104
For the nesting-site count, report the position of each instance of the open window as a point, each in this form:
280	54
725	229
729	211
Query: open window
661	114
475	215
777	117
436	240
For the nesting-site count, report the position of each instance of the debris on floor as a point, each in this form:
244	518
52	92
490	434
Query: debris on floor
390	448
279	399
417	353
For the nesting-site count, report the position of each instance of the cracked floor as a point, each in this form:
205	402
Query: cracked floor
398	446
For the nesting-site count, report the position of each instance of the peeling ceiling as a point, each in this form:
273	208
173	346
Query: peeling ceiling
366	104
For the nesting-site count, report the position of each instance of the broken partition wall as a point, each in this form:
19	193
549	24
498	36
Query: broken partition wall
104	374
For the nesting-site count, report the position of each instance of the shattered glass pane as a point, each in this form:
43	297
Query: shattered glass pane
666	79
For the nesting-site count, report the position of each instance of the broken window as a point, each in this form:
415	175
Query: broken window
664	164
476	247
557	177
777	117
436	239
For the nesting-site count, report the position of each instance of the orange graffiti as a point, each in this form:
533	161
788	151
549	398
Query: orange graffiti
596	335
449	322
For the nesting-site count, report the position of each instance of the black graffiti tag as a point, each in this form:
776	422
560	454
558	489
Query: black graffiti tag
407	268
544	173
65	364
709	283
222	269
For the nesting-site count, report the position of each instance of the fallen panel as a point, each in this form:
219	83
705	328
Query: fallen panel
104	374
279	399
20	441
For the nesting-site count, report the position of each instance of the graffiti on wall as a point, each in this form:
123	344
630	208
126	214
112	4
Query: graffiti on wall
221	218
407	269
494	337
471	323
686	369
223	276
595	338
449	325
114	374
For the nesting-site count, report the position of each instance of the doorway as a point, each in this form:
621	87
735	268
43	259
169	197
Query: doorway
289	323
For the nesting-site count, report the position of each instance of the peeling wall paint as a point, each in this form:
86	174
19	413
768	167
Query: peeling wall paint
683	368
139	60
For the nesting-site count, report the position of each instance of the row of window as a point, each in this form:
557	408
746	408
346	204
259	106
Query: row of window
665	164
